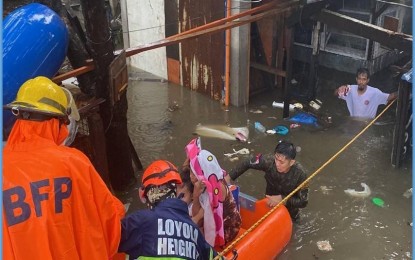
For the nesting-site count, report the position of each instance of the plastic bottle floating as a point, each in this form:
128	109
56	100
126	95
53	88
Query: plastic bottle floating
260	127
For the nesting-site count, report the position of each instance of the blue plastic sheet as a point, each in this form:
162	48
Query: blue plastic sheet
304	118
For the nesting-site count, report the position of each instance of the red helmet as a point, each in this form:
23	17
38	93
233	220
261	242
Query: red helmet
160	172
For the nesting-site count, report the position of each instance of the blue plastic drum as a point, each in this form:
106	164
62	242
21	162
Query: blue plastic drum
35	42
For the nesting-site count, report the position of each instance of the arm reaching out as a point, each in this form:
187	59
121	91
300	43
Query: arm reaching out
341	91
256	162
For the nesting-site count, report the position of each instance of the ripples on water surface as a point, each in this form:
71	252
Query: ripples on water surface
162	118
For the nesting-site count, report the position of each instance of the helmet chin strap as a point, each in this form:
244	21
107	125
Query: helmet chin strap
70	101
39	117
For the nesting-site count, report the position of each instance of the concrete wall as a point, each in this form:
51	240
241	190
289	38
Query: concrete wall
239	70
146	23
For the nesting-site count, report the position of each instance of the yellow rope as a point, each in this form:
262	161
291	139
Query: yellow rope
228	248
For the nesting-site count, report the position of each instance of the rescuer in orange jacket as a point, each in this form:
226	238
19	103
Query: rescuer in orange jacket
55	205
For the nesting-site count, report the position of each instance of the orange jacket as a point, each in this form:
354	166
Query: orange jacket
55	204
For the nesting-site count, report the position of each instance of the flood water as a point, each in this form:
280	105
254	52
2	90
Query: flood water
162	118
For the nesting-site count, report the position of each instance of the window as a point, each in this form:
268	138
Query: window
344	43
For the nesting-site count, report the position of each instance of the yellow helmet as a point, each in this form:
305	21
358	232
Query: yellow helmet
40	95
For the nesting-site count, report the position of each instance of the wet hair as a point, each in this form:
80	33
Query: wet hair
185	175
286	148
185	172
188	185
363	71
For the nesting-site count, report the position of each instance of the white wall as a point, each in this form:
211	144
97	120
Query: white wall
146	25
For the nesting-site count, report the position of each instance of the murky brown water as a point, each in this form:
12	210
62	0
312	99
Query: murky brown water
162	118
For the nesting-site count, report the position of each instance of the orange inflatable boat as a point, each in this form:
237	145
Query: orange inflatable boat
268	238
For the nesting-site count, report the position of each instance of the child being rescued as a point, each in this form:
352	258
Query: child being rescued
164	230
212	203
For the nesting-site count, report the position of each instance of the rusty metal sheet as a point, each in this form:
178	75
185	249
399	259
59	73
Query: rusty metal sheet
202	59
391	23
173	71
266	29
118	77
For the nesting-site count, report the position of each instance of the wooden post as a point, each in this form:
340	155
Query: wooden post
275	37
289	39
114	118
97	135
314	60
401	134
280	51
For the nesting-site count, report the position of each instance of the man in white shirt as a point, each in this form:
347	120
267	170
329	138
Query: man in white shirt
363	100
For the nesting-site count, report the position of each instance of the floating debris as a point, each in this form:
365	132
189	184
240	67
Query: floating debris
241	137
241	151
325	189
359	194
324	245
304	118
260	127
281	130
292	107
378	202
315	104
407	194
256	111
222	132
173	107
295	125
